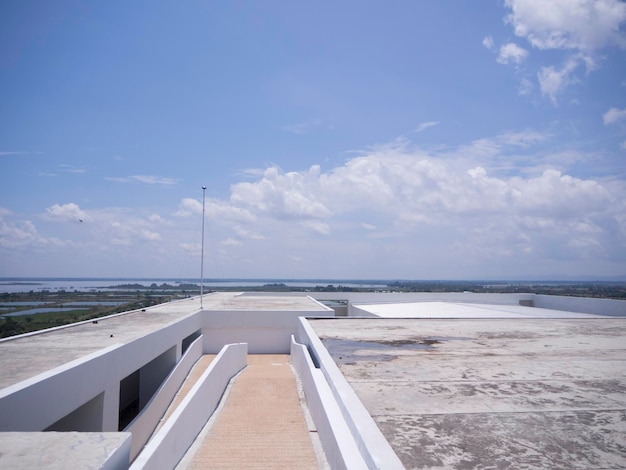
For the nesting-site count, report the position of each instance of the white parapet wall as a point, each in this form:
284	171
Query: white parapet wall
146	422
399	297
609	307
266	332
86	392
169	445
339	446
373	447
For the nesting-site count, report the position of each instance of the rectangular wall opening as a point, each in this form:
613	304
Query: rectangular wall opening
152	375
129	399
190	339
138	388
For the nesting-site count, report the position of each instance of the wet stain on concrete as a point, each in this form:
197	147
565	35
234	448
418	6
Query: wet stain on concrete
349	351
509	440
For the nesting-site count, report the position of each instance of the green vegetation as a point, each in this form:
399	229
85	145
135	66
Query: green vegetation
605	290
71	307
88	306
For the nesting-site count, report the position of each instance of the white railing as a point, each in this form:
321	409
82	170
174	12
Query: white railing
171	442
339	446
146	422
373	447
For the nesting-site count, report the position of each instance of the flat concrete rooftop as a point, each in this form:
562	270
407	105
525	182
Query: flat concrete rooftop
58	451
463	310
489	393
24	357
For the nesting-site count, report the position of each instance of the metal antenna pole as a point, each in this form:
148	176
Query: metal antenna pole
202	255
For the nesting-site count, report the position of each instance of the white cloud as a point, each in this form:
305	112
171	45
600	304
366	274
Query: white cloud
157	219
146	179
317	226
15	234
613	115
282	195
230	242
408	190
488	42
191	248
511	53
306	127
425	125
70	212
394	205
552	81
525	87
188	207
72	169
580	28
18	152
215	210
247	234
150	235
584	25
523	138
18	234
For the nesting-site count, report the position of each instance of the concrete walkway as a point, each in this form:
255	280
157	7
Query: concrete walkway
261	424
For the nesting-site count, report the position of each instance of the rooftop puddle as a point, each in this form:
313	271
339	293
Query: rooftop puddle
344	351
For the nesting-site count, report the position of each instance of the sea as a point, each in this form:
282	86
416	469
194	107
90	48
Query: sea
10	285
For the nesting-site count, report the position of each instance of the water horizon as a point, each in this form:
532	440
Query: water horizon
27	284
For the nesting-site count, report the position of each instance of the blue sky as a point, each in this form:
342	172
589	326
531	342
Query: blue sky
414	140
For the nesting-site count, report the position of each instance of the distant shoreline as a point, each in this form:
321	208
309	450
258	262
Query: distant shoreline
40	280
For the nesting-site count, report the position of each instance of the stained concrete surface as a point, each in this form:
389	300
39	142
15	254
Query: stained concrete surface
24	357
60	451
498	393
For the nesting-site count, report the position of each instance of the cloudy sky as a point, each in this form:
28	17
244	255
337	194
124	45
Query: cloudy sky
346	140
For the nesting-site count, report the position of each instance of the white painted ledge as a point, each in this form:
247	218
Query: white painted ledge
337	441
169	445
146	422
373	447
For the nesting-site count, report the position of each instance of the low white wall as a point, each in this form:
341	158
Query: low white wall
65	388
610	307
169	445
360	312
77	382
373	447
147	420
119	458
266	332
339	446
397	297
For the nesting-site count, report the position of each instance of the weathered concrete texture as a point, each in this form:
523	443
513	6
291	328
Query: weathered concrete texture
262	302
55	450
24	357
556	440
475	393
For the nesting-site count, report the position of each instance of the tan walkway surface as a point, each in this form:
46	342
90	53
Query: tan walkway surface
261	424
